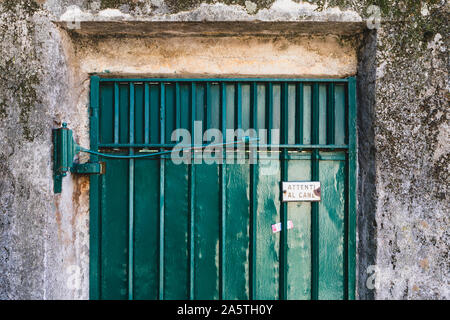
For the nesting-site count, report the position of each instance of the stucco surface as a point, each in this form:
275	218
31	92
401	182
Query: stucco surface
403	127
234	56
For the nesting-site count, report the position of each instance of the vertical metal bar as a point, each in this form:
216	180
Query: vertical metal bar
284	169
146	113
192	197
94	212
177	107
299	113
223	202
116	112
352	162
131	200
238	107
101	208
330	113
161	192
315	114
253	195
207	112
314	205
346	228
269	111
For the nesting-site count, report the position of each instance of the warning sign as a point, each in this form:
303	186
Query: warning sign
301	191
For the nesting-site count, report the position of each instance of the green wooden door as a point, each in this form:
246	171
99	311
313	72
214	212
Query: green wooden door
162	230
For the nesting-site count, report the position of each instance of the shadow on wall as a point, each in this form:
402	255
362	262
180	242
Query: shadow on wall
367	195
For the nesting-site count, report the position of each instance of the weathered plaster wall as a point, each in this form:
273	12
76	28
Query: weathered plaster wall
236	56
403	129
412	143
39	232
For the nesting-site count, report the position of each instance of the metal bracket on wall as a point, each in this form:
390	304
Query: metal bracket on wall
64	150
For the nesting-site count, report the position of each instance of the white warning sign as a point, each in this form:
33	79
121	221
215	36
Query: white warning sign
301	191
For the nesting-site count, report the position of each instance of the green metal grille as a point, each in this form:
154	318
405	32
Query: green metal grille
202	231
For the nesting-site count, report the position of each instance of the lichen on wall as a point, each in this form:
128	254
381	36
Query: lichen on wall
20	74
34	89
412	141
411	145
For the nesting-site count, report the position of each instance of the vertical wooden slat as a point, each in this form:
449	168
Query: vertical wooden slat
192	197
314	205
131	199
161	192
352	162
94	217
284	167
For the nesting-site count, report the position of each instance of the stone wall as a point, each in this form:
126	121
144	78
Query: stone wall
402	70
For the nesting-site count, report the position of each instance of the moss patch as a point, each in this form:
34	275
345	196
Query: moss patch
29	7
183	5
115	4
19	66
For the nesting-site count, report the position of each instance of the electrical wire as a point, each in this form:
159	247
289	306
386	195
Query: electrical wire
108	155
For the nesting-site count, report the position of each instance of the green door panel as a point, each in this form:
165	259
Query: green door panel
207	222
146	237
268	243
161	230
331	230
237	231
177	226
114	224
299	238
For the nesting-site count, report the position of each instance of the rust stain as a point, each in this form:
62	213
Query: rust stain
424	264
415	288
58	215
424	224
76	195
84	186
81	187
